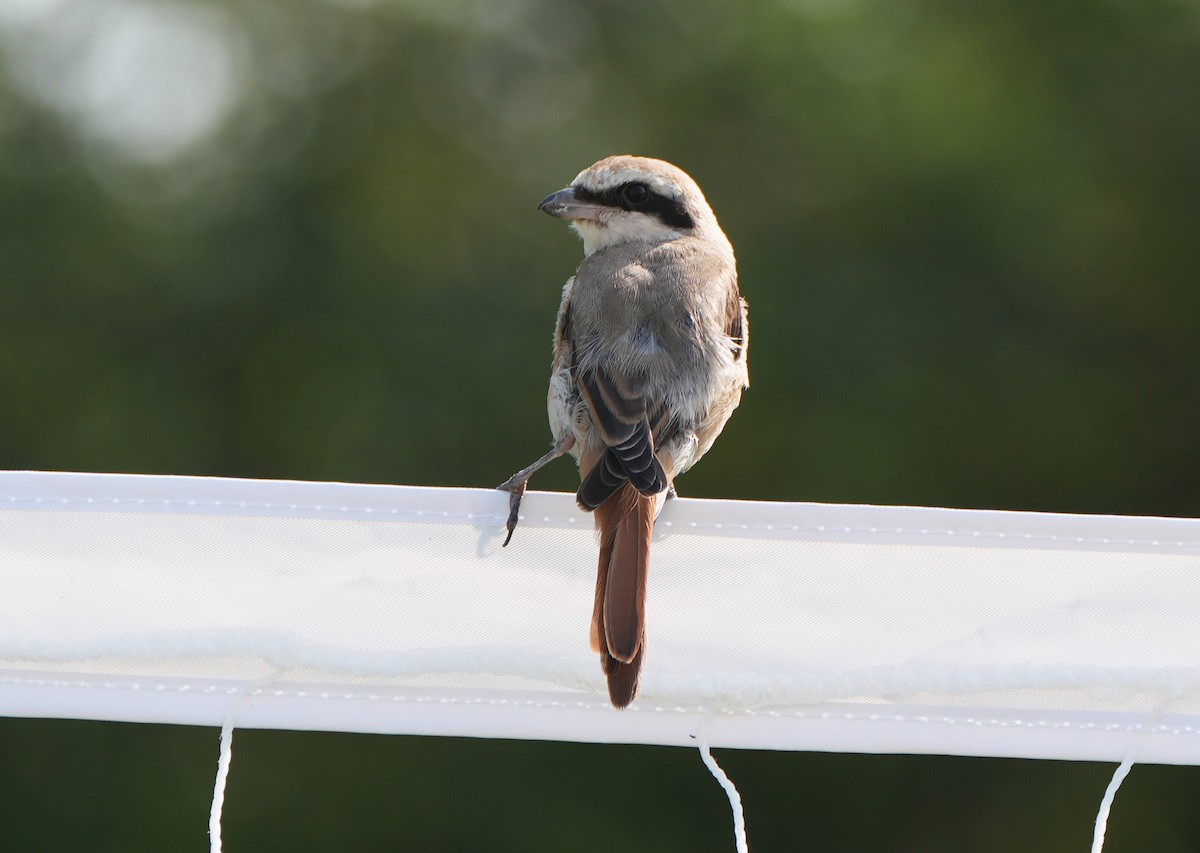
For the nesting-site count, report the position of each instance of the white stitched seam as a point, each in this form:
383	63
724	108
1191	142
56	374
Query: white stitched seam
845	716
823	529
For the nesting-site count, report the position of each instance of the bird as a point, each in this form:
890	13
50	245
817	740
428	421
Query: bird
649	362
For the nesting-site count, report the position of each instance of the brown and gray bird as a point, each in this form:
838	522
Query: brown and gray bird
649	363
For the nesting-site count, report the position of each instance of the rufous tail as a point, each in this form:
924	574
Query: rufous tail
625	522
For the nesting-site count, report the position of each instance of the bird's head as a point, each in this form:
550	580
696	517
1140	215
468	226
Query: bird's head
625	199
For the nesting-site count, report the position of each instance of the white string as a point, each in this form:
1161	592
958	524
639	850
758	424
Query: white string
218	799
735	799
225	759
1123	769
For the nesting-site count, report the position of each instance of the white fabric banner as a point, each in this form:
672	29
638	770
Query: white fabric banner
775	626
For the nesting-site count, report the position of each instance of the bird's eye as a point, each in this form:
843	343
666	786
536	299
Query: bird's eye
635	195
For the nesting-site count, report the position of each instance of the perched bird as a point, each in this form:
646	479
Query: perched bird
649	363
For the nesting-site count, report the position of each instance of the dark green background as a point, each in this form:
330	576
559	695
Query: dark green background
968	233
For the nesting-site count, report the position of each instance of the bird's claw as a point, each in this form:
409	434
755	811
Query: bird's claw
516	490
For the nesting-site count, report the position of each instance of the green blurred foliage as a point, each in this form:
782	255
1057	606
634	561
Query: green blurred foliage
967	232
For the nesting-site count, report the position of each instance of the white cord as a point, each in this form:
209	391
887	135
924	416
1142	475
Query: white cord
226	758
218	799
1123	769
735	799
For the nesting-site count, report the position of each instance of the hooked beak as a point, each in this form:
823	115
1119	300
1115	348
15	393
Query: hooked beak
565	204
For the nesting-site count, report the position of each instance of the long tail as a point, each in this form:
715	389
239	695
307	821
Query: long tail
625	522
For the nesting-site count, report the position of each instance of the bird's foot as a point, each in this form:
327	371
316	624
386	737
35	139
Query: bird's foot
515	486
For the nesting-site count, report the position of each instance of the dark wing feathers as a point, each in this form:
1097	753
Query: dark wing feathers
601	482
617	405
644	472
735	314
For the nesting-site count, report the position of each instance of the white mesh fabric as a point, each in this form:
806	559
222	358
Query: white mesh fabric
780	626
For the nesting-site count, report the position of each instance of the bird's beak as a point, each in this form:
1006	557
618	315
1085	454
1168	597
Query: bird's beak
565	204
